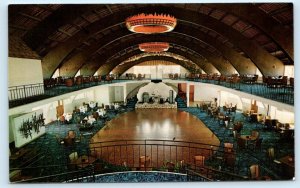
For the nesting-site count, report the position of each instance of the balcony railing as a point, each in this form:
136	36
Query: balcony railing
124	155
24	94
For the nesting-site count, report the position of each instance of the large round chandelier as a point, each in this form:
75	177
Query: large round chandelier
154	47
151	23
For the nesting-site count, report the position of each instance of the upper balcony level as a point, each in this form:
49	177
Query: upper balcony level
277	89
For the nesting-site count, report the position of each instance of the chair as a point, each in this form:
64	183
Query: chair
199	164
68	141
284	81
255	134
233	109
170	166
144	163
286	125
58	139
274	123
229	159
256	145
72	165
238	127
268	124
270	154
73	156
176	76
253	118
254	171
95	115
199	160
62	119
292	82
278	127
260	118
236	135
71	134
241	143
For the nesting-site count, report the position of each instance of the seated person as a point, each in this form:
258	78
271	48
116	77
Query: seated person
214	104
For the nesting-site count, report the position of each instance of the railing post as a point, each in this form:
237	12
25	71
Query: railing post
24	91
146	154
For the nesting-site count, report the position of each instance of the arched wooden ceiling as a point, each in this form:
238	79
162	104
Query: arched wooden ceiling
122	68
72	37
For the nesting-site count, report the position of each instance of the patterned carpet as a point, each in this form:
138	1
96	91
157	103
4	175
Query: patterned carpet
248	157
54	155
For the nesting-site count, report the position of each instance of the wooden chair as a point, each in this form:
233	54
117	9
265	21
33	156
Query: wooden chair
268	124
199	165
73	156
236	135
199	160
176	76
144	163
170	166
69	141
62	119
72	165
292	82
241	143
255	134
238	127
229	160
271	154
254	172
256	145
71	134
96	115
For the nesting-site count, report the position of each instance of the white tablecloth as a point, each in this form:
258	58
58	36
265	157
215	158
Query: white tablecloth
101	112
68	116
82	109
91	120
92	104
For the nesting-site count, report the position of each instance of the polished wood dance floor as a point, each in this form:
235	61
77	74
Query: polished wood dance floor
153	124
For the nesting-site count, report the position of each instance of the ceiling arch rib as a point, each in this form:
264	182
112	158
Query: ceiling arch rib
253	50
90	69
79	59
184	62
107	68
122	68
62	16
283	36
242	65
223	66
76	61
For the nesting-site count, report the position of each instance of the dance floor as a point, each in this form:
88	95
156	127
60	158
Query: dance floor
165	129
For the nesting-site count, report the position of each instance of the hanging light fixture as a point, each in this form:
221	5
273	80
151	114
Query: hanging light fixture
151	23
154	47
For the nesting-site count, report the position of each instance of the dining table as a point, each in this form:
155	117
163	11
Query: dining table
92	104
248	139
68	116
83	109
